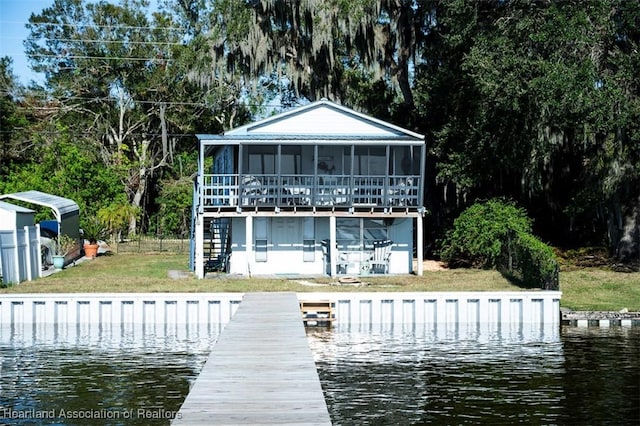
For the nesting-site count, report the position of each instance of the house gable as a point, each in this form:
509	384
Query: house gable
323	118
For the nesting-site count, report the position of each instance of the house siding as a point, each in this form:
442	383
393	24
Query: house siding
285	246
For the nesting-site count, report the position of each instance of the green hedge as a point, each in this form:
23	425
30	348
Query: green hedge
481	233
535	263
497	235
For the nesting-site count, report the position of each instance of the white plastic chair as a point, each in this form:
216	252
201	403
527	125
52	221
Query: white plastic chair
379	261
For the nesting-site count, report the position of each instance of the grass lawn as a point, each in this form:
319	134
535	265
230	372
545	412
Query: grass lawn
583	289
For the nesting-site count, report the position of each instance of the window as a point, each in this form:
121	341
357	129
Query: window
308	239
260	160
370	160
261	250
260	229
359	233
373	230
291	160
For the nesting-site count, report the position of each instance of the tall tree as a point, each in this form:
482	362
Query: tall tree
534	100
118	75
313	42
13	119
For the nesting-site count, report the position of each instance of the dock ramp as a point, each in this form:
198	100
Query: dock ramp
260	371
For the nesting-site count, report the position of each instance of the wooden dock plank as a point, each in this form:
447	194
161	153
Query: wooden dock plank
260	371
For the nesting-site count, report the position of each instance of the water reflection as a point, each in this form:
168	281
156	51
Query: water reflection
125	375
455	375
374	374
602	379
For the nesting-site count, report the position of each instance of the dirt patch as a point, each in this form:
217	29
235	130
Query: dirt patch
178	275
310	283
430	265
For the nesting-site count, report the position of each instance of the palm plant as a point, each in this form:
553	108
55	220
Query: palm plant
93	230
117	216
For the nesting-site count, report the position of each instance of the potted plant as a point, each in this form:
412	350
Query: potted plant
92	231
62	246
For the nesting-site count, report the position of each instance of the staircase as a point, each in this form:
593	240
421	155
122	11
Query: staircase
217	244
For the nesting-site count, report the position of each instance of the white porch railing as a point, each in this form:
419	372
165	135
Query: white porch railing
311	190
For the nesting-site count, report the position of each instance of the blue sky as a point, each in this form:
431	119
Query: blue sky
14	14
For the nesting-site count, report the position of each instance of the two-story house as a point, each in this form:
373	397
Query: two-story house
319	189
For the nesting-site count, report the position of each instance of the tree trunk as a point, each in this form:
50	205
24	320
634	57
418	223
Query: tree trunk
629	233
140	186
166	153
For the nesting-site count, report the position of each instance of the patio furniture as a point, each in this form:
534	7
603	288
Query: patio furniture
400	193
340	195
297	195
342	263
379	261
342	259
252	190
326	256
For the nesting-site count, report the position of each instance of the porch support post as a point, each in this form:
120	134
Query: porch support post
249	242
198	232
332	245
39	258
420	243
199	249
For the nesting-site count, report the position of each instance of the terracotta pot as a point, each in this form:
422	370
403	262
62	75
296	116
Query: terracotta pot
90	250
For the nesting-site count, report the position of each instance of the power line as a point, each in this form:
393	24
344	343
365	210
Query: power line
91	25
82	40
119	58
89	99
99	133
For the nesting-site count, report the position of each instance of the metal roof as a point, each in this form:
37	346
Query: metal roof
324	103
298	138
14	208
61	206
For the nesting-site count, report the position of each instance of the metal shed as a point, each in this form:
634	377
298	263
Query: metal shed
19	244
15	217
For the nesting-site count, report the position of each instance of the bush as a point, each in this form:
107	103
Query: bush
536	263
64	244
497	234
480	233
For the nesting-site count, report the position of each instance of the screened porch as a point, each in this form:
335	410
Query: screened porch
257	174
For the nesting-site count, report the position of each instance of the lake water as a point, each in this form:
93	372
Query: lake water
382	375
576	376
120	376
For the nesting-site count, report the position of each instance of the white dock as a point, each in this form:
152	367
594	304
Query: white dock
260	371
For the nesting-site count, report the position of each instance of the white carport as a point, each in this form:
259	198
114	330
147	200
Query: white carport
66	211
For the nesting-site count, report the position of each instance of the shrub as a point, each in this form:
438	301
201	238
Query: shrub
535	262
480	233
497	234
64	244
